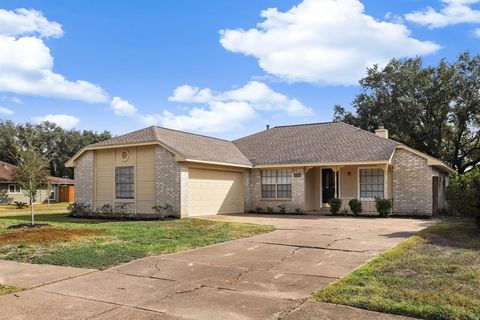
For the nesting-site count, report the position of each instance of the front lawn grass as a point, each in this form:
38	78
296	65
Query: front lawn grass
57	206
99	244
433	275
4	290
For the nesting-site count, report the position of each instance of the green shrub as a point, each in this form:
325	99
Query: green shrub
259	210
443	212
282	208
335	205
298	211
79	209
163	210
355	206
123	209
270	210
384	206
106	209
20	204
461	193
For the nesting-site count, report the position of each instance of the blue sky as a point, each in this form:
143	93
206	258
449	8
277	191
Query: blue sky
136	56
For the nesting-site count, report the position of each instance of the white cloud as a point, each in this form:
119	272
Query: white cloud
453	12
63	120
122	107
221	111
13	99
262	97
255	93
390	16
217	117
476	33
327	41
24	22
187	93
26	65
6	111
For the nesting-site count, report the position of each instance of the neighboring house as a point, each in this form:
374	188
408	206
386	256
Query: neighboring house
11	191
298	166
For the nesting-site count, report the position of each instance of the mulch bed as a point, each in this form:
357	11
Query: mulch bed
27	226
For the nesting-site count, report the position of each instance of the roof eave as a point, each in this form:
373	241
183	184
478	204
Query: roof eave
71	162
219	163
320	164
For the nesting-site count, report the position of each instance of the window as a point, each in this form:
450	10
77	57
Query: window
124	183
53	193
14	188
371	183
276	184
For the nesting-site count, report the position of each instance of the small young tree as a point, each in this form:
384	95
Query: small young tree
31	174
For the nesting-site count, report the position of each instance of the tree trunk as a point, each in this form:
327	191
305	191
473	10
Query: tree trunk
31	211
31	203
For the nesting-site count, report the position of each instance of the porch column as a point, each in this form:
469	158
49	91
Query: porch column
336	170
335	182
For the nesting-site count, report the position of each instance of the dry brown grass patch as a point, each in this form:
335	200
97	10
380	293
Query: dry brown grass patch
45	234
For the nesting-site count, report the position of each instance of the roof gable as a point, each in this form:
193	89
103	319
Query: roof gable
315	143
188	145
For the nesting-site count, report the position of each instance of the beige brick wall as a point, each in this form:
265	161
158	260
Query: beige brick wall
83	174
170	176
412	184
298	192
247	180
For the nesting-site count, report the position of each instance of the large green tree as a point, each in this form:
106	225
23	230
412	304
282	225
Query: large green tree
51	142
435	109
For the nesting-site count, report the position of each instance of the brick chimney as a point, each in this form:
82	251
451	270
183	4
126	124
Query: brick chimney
381	131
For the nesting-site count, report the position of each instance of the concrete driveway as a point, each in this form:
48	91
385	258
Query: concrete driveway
263	277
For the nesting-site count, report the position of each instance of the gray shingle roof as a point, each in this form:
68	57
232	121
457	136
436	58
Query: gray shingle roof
7	174
309	143
192	146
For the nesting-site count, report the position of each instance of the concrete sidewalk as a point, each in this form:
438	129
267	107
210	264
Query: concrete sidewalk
26	275
269	276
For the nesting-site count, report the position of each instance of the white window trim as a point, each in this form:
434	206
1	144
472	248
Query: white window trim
384	183
134	184
276	184
15	186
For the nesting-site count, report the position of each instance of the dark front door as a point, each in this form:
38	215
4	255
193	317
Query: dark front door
328	185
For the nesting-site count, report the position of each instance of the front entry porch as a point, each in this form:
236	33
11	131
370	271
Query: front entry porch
364	182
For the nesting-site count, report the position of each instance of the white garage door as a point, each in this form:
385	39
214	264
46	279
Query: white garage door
214	192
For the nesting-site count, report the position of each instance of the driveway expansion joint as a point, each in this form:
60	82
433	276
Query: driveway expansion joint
314	247
117	305
106	311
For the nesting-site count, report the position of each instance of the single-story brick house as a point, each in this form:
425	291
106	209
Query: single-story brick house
298	166
11	191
